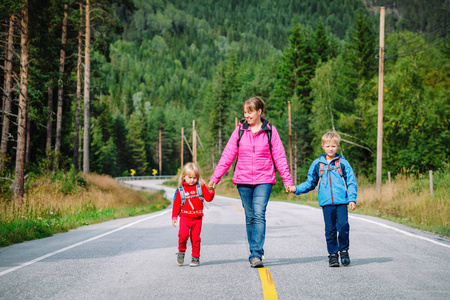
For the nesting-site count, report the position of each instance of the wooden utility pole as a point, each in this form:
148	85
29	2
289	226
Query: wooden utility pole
380	104
291	166
160	151
182	146
76	136
194	143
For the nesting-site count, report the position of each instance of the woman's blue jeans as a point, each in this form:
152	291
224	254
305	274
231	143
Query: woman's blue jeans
254	200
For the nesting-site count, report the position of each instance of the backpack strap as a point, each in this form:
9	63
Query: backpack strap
321	170
241	132
182	195
199	192
337	164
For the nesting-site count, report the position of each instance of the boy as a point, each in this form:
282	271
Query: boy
337	189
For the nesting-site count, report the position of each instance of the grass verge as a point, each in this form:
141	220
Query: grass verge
59	202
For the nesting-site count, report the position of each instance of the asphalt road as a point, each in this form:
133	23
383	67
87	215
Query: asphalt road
134	258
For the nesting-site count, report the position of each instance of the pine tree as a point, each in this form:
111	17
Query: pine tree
321	46
362	49
136	146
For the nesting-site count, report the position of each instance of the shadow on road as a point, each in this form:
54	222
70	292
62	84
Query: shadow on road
367	261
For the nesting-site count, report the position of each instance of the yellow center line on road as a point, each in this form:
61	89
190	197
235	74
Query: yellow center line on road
236	206
269	290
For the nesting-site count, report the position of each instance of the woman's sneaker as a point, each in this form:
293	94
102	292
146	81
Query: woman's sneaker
195	262
345	258
256	263
180	258
334	260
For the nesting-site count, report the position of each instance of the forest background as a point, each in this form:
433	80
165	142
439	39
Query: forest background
158	65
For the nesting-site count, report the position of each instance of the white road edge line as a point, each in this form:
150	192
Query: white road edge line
402	231
78	244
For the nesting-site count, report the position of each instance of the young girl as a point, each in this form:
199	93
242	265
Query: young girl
188	203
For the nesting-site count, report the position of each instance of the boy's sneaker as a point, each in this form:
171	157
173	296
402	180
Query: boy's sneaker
195	262
256	263
180	258
345	259
334	260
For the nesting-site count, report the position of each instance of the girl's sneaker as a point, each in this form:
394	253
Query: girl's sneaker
195	262
345	258
180	258
334	260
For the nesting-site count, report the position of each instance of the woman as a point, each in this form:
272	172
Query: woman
259	150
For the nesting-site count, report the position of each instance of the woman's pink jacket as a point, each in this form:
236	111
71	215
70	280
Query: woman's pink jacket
254	163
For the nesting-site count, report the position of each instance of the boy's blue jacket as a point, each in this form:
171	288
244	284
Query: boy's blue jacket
332	189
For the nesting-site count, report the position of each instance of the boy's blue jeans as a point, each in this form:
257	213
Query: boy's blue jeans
337	228
254	200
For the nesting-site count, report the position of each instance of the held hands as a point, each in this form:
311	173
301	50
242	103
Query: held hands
290	188
212	185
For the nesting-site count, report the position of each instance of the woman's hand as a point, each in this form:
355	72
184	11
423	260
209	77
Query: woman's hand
174	223
212	185
290	188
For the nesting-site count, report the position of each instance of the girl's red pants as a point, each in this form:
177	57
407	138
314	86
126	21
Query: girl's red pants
190	228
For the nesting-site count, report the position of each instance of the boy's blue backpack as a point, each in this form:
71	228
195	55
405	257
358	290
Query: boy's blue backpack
337	166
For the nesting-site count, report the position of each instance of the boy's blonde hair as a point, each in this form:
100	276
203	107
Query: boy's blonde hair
331	136
190	169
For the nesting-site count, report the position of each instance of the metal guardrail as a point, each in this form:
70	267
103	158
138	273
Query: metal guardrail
145	177
122	180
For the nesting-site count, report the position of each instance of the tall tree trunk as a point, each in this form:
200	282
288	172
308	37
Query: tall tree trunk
87	77
48	144
7	94
76	138
19	188
62	58
28	139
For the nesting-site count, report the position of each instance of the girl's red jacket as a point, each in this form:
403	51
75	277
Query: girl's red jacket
193	207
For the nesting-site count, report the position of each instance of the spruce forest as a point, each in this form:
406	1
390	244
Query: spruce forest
97	85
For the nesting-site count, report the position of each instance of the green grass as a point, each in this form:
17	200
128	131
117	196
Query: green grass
53	207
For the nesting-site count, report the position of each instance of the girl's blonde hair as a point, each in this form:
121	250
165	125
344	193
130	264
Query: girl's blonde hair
190	169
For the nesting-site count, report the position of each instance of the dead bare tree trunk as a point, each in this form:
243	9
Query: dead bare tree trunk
7	94
76	138
62	58
87	77
19	188
48	144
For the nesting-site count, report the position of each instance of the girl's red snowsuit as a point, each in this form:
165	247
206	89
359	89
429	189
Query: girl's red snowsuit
191	215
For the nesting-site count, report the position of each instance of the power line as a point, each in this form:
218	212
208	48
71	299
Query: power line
421	47
419	35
